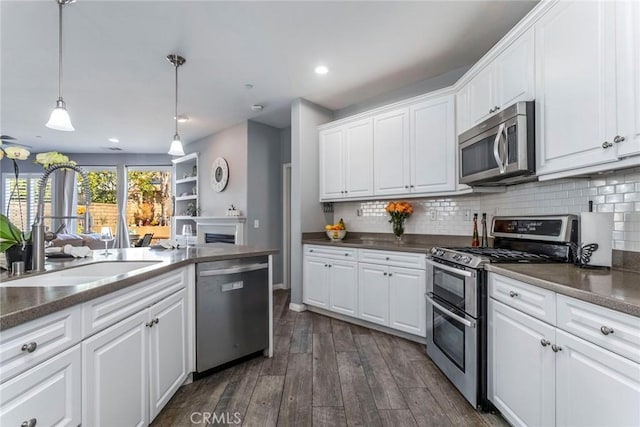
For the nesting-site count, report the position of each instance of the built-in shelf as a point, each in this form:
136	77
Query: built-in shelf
190	197
185	217
186	180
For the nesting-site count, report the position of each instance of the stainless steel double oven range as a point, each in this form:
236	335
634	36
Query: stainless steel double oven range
457	293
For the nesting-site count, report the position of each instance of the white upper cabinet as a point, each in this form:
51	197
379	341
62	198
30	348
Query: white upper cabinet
331	164
628	77
575	82
509	78
391	157
346	161
432	146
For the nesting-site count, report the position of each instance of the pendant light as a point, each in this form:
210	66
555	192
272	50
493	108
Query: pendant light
176	146
59	119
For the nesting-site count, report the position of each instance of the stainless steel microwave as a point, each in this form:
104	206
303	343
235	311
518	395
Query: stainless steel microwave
500	150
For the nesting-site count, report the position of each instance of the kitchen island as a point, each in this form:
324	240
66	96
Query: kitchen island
108	340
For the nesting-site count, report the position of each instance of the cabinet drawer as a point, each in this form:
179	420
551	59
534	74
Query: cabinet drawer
47	336
109	309
615	331
398	259
331	252
47	395
537	302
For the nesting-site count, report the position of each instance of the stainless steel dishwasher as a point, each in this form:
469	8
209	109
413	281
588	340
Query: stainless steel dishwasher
232	310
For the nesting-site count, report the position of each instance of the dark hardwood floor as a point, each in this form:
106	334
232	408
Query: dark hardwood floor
326	372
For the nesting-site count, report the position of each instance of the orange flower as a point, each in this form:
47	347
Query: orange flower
390	207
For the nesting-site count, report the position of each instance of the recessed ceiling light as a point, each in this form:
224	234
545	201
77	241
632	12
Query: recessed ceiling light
321	69
182	118
257	107
114	140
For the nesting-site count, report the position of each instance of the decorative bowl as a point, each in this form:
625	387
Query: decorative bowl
336	235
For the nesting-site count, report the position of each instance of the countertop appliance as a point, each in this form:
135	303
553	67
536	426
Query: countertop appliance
457	295
500	150
232	310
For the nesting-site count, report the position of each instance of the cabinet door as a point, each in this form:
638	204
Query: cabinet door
407	307
48	394
391	153
373	293
433	146
115	374
521	371
628	76
595	387
462	110
331	164
167	350
515	72
358	154
481	99
575	85
343	287
315	290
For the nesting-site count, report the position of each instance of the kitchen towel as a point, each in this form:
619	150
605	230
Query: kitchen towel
596	227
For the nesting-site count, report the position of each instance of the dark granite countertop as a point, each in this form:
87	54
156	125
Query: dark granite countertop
615	289
411	243
21	304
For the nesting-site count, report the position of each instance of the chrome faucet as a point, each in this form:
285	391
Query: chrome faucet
38	229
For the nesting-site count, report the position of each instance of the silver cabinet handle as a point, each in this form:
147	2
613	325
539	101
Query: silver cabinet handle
346	254
149	324
556	348
310	250
30	423
606	330
385	273
387	258
390	274
406	186
156	320
607	144
513	294
346	191
30	347
491	110
618	139
411	186
496	108
544	342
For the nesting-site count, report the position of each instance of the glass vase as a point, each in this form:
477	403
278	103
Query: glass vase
398	229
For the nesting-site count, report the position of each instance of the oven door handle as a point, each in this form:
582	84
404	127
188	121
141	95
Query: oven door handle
449	269
465	322
496	149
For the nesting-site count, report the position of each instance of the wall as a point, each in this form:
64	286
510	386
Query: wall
306	211
285	144
231	144
264	191
425	86
618	192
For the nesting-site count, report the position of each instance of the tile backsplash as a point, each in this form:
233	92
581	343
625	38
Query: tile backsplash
618	192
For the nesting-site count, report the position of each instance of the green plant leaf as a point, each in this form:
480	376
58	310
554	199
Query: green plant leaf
8	231
6	245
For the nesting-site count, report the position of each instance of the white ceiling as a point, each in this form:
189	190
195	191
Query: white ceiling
117	82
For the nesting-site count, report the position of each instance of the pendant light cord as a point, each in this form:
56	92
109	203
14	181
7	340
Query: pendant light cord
60	50
176	117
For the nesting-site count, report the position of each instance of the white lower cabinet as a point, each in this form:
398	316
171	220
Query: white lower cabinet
541	375
521	380
407	306
373	293
343	287
131	369
595	387
380	287
46	395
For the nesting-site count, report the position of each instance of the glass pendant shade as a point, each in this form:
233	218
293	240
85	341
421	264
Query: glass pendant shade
59	119
176	146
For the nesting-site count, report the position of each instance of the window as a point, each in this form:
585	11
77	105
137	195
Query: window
104	207
24	199
149	201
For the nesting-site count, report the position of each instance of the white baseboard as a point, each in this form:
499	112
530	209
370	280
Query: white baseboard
278	286
297	307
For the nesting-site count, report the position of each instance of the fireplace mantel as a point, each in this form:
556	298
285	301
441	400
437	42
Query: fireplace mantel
221	225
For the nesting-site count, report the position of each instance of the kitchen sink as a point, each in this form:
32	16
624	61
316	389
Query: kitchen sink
80	275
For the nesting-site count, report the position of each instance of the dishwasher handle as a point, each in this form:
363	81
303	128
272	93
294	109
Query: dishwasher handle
234	270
